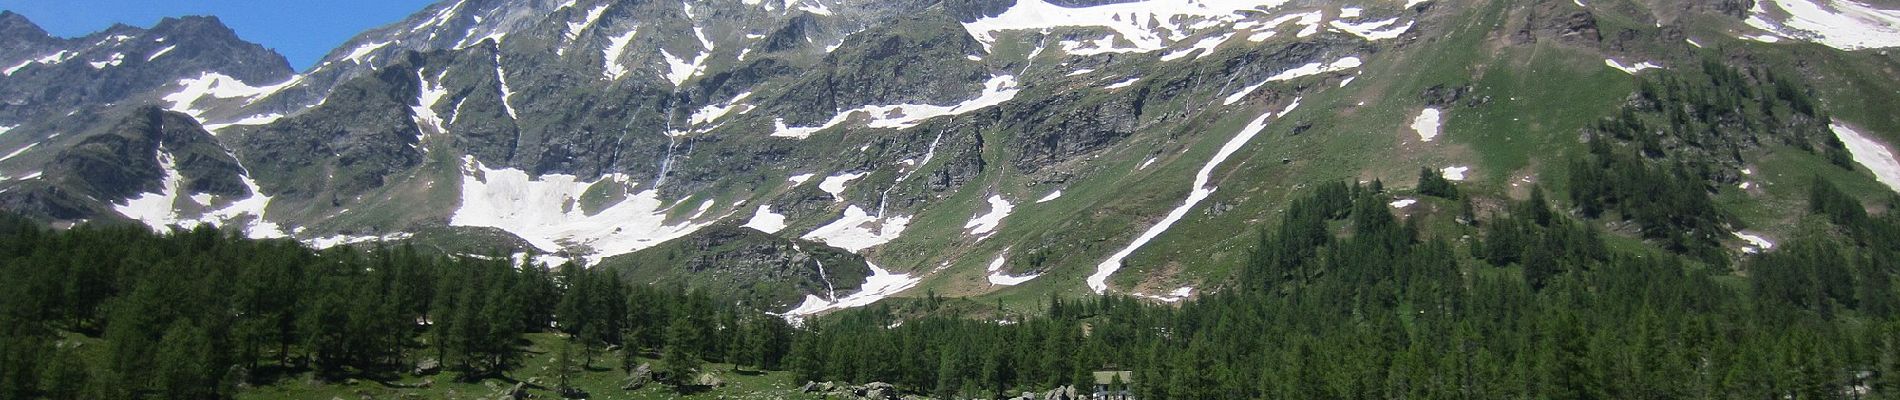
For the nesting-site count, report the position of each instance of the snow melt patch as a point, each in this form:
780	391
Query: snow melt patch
1756	243
713	112
545	210
610	56
361	52
835	184
881	284
1204	47
1872	154
428	123
679	69
17	153
1403	203
342	240
982	225
1373	31
51	59
997	277
1123	84
997	90
766	221
1841	24
155	209
246	121
1051	197
858	230
1199	192
1427	124
1630	69
1454	173
218	86
800	179
115	60
574	28
1172	297
1316	69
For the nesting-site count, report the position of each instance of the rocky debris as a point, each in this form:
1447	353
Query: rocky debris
710	380
868	391
1557	20
639	378
1061	393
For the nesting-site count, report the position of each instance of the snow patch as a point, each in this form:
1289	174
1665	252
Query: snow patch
574	28
713	112
155	209
1051	197
610	56
428	123
835	184
246	121
1316	69
679	69
52	59
1374	31
1200	191
1872	154
983	225
17	153
766	221
1427	124
1148	25
1841	24
858	230
1123	84
800	179
545	210
1630	69
218	86
1172	297
997	277
361	52
1204	47
1756	243
1403	203
342	240
881	284
998	90
115	60
1454	173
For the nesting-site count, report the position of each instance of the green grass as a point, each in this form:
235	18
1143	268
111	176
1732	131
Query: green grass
602	382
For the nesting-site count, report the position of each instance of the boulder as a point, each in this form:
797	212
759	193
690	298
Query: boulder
428	366
710	380
640	377
879	391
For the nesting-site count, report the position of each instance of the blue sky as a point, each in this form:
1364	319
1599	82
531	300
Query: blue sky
303	30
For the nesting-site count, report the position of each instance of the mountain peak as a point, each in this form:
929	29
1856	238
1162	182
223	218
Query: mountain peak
14	26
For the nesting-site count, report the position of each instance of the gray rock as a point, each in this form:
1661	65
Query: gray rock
639	378
428	366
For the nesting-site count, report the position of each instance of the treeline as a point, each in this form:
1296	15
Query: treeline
195	314
1344	300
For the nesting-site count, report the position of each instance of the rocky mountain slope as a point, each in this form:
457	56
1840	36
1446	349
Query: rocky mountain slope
966	147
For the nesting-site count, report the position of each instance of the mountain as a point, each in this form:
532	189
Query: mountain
986	148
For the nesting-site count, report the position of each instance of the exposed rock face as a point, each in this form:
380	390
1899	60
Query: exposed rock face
123	160
917	60
1073	124
350	144
1557	20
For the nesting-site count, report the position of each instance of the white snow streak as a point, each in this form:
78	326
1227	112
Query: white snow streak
1148	25
1403	203
1199	192
218	86
610	56
679	70
1756	243
1872	154
1630	69
998	90
1316	69
1373	31
155	209
1051	197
